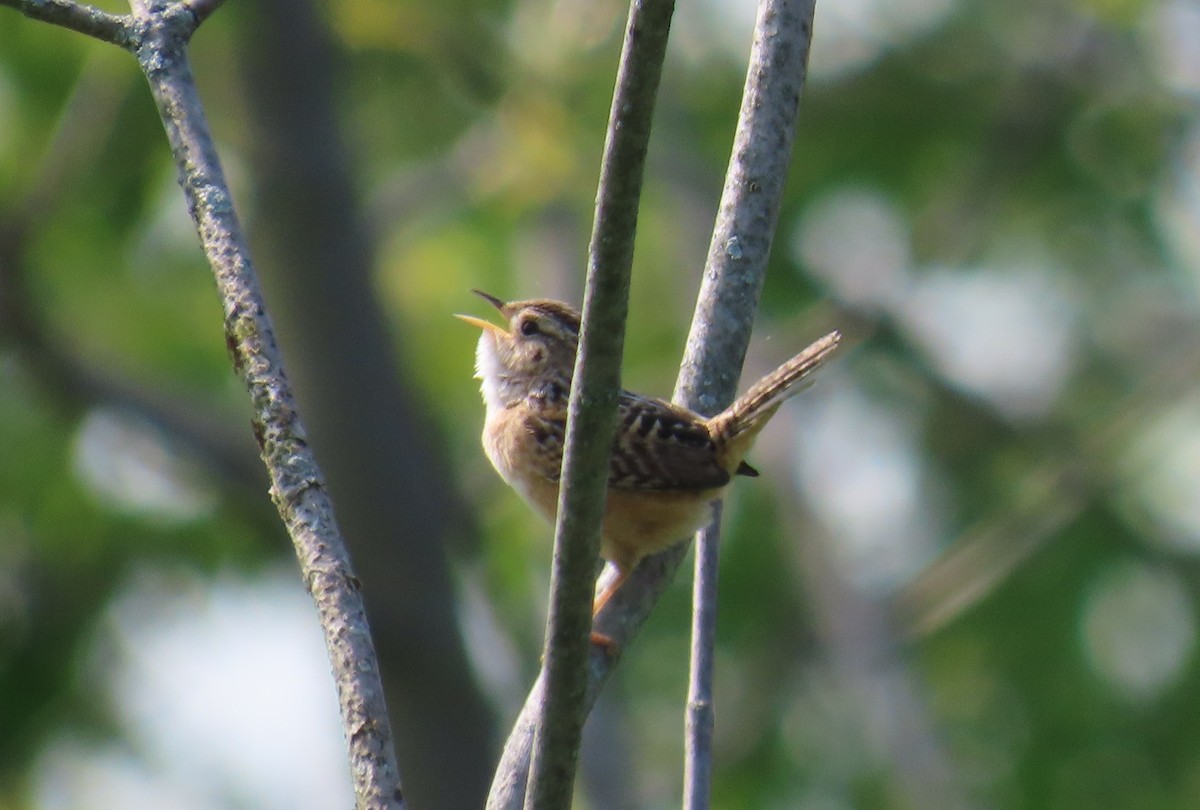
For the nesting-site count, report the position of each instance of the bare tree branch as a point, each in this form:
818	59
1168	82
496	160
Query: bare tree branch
733	279
741	241
399	504
721	328
591	415
297	483
119	29
158	36
699	715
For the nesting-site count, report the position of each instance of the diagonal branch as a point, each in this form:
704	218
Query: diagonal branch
398	504
591	419
158	36
733	279
119	29
721	328
741	240
297	483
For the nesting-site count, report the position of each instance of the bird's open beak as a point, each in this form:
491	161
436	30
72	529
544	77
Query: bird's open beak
482	324
491	299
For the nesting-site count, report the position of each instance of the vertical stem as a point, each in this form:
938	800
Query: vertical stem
750	201
591	412
733	279
698	764
721	326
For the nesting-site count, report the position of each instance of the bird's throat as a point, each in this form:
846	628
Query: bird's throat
502	387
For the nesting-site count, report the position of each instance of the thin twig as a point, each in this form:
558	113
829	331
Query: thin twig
720	331
158	36
733	278
119	29
591	416
698	720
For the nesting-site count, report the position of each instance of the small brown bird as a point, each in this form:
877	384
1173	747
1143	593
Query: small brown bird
668	463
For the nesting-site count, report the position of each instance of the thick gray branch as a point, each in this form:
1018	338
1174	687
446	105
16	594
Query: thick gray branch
591	418
733	279
297	484
741	241
398	503
158	36
721	328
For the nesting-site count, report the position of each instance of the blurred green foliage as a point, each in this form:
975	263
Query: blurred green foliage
1055	140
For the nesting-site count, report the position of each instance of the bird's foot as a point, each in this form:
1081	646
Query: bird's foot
610	648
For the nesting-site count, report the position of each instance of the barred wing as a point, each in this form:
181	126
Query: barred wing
658	446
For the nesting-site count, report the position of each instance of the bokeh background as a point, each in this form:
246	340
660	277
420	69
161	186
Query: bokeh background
967	578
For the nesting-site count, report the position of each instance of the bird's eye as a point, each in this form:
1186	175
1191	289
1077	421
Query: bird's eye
529	327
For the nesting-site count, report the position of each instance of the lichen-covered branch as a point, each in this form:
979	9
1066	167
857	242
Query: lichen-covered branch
398	502
297	484
158	34
119	29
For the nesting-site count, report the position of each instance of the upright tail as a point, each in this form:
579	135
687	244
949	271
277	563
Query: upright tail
752	409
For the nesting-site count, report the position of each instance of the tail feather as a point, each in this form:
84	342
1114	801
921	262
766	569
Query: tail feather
751	410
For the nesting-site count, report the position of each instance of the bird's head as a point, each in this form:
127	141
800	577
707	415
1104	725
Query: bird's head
532	354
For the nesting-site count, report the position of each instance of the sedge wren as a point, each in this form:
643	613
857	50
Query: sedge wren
668	463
